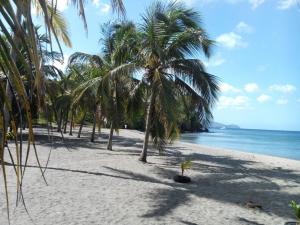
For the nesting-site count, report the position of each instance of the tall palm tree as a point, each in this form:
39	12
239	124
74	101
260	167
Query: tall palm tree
120	44
171	37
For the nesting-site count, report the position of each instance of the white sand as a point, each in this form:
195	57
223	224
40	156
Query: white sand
90	185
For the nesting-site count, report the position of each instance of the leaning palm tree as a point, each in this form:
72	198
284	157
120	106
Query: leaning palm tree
120	44
171	37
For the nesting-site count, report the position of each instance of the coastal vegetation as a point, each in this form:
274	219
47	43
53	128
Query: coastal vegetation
149	71
146	76
296	208
25	73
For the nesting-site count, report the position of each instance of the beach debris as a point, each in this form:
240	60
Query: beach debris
253	205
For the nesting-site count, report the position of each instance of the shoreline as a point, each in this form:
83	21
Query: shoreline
282	144
236	151
229	151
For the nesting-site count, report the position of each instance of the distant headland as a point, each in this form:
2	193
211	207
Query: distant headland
216	125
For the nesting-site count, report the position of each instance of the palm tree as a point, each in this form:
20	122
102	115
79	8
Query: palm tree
120	44
171	35
86	95
113	81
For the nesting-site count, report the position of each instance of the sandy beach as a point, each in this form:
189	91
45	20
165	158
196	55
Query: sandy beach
88	184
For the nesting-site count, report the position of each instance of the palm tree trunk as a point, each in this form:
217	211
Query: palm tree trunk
65	126
81	125
143	155
71	124
94	125
66	121
60	121
111	133
99	119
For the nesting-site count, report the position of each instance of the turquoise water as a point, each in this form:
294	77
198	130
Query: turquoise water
284	144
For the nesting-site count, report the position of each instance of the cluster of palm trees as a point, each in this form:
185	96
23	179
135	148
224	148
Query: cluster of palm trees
147	69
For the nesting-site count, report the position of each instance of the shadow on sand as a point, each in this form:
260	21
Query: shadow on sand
221	178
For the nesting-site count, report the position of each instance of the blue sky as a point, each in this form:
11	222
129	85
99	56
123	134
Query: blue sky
256	55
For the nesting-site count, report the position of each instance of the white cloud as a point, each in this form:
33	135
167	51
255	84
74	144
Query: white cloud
243	27
286	4
251	87
62	4
287	88
282	101
238	102
231	40
263	98
224	87
256	3
62	65
104	7
96	3
215	61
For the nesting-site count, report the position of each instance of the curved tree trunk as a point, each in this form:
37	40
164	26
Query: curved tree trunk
143	155
94	125
81	125
111	133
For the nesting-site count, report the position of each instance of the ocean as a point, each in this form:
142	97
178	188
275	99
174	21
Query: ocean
284	144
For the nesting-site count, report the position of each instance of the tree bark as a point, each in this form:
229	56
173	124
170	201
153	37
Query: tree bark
99	116
81	125
94	125
65	126
60	121
71	124
112	125
66	121
111	133
143	155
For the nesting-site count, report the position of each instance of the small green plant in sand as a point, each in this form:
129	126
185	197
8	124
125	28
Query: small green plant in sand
10	136
185	166
296	208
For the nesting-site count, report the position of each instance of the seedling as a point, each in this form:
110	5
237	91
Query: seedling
10	136
185	166
296	208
